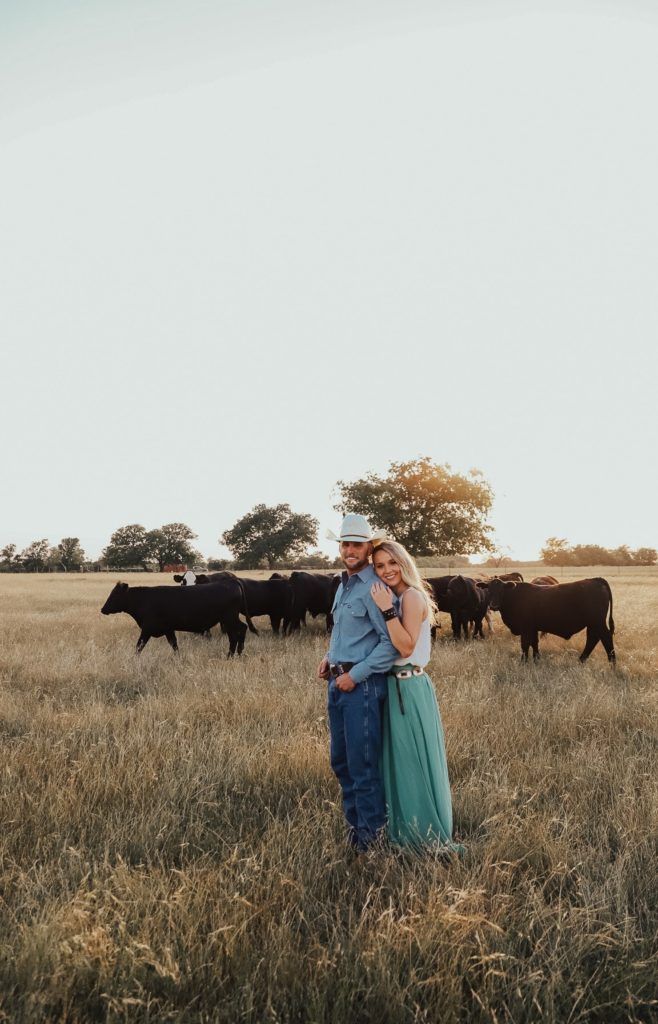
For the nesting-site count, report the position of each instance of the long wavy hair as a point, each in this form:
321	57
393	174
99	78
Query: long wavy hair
410	574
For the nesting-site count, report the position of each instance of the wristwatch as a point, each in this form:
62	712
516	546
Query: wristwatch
390	613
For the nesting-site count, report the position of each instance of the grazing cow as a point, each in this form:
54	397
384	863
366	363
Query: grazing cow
444	603
468	601
312	592
545	581
162	611
562	609
439	585
271	597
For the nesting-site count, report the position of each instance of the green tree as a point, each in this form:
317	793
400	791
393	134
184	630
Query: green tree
36	556
556	551
170	545
425	506
9	558
270	534
129	546
68	553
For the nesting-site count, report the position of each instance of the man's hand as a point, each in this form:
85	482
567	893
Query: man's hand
345	683
323	669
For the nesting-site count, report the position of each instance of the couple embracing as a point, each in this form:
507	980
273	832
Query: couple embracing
387	747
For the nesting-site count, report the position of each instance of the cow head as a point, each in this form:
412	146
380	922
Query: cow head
188	579
456	591
116	602
497	590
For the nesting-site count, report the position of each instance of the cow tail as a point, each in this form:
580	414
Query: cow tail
611	621
244	601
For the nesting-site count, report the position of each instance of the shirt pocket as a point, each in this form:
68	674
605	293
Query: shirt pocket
357	610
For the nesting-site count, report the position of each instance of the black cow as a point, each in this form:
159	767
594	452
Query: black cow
515	577
314	593
162	611
439	585
562	609
468	601
271	597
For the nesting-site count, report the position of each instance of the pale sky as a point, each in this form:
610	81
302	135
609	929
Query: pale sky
251	248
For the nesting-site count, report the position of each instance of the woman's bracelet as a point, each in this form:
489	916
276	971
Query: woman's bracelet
390	613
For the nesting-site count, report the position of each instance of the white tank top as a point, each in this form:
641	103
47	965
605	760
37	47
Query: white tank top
422	651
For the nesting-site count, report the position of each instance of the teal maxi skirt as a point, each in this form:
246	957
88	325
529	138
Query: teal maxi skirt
414	767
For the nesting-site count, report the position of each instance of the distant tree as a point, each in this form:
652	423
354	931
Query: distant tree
218	564
499	557
556	551
170	545
270	534
68	554
645	556
35	557
9	558
591	554
129	546
425	506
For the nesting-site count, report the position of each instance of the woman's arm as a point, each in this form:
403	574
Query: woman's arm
403	632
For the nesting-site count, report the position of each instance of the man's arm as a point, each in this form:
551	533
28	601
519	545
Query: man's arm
383	654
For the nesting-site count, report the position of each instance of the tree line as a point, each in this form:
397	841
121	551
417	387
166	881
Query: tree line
436	513
558	551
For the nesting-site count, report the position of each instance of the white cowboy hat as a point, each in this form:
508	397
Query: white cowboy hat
356	527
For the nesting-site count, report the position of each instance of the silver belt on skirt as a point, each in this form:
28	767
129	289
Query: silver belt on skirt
406	673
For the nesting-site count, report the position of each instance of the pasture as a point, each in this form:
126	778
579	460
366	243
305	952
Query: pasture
171	844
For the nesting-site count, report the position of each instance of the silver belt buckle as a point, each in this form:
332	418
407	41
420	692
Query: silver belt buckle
407	673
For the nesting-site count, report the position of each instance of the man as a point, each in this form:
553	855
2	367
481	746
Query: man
360	655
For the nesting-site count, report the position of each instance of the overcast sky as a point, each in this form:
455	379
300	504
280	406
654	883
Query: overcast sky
253	247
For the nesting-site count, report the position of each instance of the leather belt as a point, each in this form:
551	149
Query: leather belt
341	667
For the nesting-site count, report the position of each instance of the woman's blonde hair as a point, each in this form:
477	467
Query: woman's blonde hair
410	574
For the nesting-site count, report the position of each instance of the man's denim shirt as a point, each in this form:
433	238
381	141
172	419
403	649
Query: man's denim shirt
360	634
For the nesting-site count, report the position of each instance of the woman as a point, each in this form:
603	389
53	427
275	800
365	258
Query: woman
414	768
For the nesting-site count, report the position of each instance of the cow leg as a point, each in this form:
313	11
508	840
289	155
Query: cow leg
330	622
171	638
242	632
608	643
591	642
275	623
477	629
526	639
489	619
144	638
534	643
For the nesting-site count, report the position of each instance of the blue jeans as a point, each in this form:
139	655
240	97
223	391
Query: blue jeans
355	725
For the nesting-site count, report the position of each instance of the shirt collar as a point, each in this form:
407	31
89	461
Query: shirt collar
346	577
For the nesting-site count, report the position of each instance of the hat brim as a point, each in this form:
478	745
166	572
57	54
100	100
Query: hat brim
354	537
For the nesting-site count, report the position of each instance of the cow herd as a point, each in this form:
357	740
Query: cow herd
529	610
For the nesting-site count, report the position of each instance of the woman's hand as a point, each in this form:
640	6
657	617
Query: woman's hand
382	596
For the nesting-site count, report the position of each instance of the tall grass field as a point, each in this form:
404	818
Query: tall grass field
172	843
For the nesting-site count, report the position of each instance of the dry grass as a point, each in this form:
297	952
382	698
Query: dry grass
172	839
